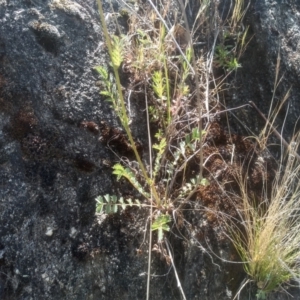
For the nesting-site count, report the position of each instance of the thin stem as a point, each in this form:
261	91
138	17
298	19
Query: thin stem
151	209
174	268
124	117
279	136
172	36
198	95
168	93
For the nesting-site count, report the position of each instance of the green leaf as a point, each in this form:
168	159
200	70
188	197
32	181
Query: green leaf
161	146
114	204
195	134
159	134
188	139
121	201
120	171
117	51
143	37
161	149
110	204
188	53
161	225
204	182
158	84
102	71
233	65
106	93
185	89
261	295
99	204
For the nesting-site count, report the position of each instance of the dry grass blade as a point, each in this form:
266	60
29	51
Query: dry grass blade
267	238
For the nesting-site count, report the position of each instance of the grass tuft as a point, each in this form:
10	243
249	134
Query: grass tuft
268	237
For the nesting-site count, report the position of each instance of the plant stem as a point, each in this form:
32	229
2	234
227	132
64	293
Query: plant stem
124	118
279	136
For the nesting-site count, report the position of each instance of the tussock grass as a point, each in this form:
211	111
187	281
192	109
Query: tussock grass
268	238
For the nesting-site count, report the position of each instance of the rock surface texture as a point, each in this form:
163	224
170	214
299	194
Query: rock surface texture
275	28
53	163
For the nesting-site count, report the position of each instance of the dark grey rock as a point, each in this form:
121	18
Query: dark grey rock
52	168
274	28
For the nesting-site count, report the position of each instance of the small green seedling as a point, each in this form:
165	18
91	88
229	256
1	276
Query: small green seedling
225	58
161	225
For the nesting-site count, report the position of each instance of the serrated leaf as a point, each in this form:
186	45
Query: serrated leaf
161	149
111	203
102	72
165	227
185	90
118	170
117	51
160	221
161	225
161	146
158	84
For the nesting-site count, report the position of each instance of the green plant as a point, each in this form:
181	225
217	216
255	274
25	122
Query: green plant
150	64
161	224
168	77
232	41
268	237
261	295
225	58
111	203
233	64
149	55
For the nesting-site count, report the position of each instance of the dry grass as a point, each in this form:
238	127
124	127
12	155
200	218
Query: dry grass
268	238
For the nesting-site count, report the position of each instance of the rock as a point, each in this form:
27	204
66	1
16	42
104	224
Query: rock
49	231
274	29
52	163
